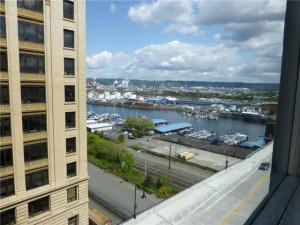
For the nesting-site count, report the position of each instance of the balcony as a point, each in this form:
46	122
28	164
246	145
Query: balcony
4	109
34	136
30	14
36	164
3	76
32	77
5	140
2	41
6	171
31	46
31	107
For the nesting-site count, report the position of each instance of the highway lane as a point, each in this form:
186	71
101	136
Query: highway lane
117	192
235	201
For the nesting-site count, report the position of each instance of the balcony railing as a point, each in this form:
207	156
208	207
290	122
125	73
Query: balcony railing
30	107
33	136
28	77
26	45
2	41
6	140
3	76
31	14
6	171
36	164
4	109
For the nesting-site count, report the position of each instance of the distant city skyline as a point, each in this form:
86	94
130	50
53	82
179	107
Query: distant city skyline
228	41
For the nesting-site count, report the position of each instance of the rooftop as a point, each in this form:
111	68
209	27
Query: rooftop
159	121
173	127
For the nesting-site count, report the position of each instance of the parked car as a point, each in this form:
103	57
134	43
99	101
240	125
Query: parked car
264	166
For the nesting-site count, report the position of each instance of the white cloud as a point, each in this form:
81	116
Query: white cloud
113	8
183	29
98	60
161	10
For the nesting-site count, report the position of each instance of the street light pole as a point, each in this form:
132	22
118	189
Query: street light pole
145	162
135	206
226	162
170	158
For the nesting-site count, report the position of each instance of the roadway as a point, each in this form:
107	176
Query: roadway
228	197
117	192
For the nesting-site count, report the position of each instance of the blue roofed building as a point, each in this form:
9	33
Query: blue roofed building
158	122
174	127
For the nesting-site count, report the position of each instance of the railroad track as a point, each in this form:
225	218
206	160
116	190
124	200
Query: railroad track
177	180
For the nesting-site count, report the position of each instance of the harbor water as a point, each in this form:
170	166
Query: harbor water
222	126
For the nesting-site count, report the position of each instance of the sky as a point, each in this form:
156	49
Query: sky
199	40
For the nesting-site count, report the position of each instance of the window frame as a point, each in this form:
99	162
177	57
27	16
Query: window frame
6	159
69	70
4	93
39	68
28	125
24	32
11	219
66	11
68	149
72	123
38	5
7	183
31	175
3	131
70	93
2	26
74	220
3	61
68	43
72	173
29	151
45	202
26	95
72	194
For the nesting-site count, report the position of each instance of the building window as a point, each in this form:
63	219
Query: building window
4	126
4	94
7	187
70	120
68	38
69	66
71	145
35	5
8	217
33	94
31	32
35	151
71	194
3	62
36	179
34	123
2	27
68	10
71	169
73	220
32	63
6	157
69	93
38	206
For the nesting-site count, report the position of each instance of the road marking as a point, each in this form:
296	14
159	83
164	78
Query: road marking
246	199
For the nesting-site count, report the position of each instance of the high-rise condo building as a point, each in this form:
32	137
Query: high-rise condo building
43	167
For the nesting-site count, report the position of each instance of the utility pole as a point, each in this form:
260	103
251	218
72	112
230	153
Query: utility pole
170	157
135	206
226	162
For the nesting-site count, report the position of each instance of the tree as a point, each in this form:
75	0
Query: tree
162	181
121	138
129	160
139	124
148	182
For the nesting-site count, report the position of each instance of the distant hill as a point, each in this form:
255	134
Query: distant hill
172	83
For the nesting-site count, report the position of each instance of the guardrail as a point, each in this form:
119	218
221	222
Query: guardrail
109	206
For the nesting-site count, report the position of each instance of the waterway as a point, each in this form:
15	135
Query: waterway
221	126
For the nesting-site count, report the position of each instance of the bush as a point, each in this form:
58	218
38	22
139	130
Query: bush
148	182
165	192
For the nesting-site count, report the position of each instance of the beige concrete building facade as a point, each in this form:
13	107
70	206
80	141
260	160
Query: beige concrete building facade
43	167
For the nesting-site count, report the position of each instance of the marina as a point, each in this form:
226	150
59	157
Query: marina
221	127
